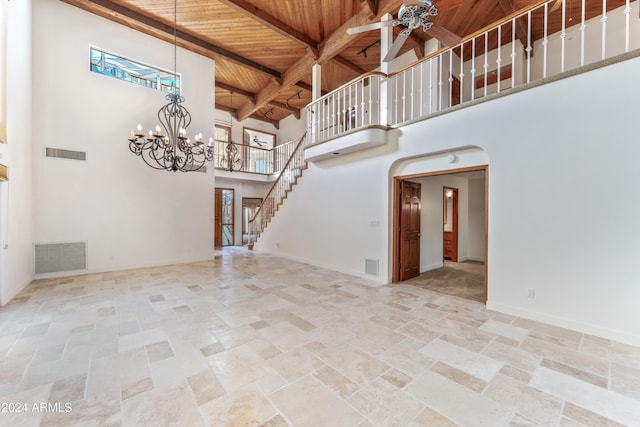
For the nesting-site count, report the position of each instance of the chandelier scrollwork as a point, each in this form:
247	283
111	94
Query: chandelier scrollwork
172	150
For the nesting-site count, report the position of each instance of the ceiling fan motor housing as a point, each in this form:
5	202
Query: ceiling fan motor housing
413	16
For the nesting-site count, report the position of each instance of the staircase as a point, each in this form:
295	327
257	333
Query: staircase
287	178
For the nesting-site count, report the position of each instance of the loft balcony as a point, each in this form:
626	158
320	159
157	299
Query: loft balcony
534	46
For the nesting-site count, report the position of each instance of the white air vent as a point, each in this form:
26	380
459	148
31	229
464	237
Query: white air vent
65	154
371	266
56	257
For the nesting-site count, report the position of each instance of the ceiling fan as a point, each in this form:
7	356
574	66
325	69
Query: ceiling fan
258	142
413	15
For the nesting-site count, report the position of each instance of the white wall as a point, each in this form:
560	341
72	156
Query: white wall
614	41
130	214
16	202
555	170
475	232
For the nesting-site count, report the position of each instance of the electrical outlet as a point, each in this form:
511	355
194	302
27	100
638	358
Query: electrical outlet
531	293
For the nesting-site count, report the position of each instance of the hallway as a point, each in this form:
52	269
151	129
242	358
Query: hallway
460	279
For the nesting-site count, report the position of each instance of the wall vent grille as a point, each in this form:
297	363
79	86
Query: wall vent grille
57	257
65	154
371	266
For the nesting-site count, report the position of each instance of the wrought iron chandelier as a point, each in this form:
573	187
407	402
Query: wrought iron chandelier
232	156
172	150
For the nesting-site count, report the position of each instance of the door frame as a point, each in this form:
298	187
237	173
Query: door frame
397	205
454	220
259	199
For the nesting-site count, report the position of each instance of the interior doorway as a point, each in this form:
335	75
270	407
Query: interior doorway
471	208
250	206
224	217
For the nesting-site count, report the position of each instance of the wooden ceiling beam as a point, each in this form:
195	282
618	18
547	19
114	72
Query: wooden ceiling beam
370	7
521	32
234	114
230	88
348	65
271	22
138	21
295	111
308	87
335	43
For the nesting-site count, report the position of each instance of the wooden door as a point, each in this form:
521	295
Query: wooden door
409	228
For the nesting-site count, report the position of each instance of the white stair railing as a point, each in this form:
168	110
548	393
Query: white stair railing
290	173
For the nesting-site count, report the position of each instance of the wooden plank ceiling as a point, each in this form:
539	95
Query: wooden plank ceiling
264	49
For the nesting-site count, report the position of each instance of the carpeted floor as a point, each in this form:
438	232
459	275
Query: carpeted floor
461	279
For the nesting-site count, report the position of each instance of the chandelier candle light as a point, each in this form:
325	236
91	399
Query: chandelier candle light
172	151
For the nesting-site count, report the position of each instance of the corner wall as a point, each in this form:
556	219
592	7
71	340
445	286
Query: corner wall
16	202
129	214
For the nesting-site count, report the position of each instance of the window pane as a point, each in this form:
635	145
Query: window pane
133	72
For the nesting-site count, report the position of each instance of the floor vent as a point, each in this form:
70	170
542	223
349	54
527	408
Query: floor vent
371	266
57	257
65	154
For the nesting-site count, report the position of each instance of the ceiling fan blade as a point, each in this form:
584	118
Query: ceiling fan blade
556	6
369	27
444	5
447	37
397	45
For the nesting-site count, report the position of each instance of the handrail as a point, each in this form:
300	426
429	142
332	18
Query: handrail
275	183
350	82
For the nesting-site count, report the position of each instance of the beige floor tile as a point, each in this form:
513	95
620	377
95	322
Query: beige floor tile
237	367
385	405
474	364
252	339
295	363
327	408
429	417
532	404
86	413
244	407
606	403
164	406
407	358
353	363
337	382
458	403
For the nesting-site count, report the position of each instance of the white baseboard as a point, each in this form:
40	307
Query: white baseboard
576	325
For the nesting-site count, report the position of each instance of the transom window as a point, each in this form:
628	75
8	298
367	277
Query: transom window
134	72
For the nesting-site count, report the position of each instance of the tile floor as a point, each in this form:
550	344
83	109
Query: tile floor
254	340
461	279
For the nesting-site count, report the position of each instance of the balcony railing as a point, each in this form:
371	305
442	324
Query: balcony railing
255	159
532	44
